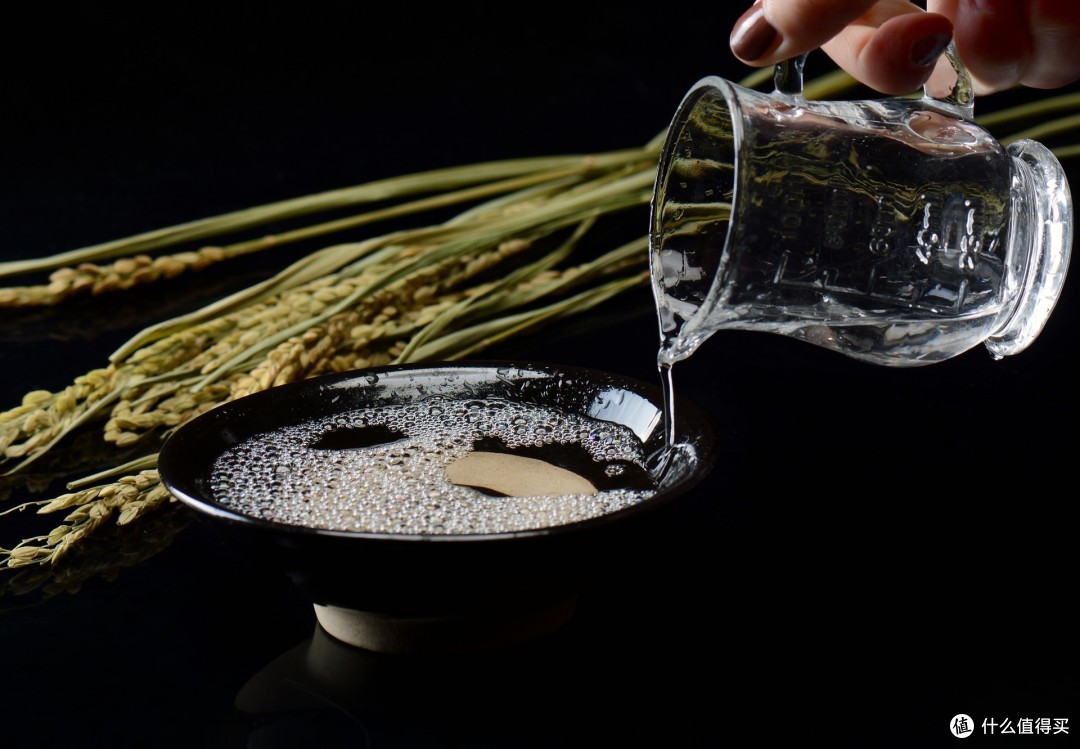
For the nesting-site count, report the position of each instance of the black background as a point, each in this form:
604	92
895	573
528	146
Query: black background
877	551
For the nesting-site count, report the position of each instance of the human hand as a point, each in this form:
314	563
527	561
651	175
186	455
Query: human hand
893	45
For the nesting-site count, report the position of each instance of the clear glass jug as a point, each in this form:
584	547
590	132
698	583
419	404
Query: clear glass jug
895	231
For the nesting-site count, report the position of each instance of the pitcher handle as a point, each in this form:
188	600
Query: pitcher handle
949	86
788	76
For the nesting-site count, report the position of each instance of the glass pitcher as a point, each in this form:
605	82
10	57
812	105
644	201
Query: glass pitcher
895	231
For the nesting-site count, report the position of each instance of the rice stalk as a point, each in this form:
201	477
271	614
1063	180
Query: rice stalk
1045	129
124	274
418	294
399	291
128	497
432	181
1046	105
131	496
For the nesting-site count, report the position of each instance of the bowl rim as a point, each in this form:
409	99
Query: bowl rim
172	473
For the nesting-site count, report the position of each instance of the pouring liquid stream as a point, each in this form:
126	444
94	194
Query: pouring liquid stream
660	461
677	342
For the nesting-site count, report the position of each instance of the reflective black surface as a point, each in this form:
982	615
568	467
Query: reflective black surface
883	550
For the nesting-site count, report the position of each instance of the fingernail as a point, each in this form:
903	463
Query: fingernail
753	35
926	51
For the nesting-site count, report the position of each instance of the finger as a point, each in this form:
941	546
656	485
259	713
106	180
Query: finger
1004	43
1055	36
895	55
992	38
773	30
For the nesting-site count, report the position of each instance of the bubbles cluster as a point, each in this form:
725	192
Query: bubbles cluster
399	485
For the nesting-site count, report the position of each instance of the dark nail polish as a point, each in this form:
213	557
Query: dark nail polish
926	51
753	35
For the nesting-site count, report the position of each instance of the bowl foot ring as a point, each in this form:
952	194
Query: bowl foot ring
460	632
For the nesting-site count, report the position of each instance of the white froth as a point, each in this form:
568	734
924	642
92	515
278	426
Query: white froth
402	487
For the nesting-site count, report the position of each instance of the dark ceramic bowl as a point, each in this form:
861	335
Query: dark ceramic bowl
397	592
